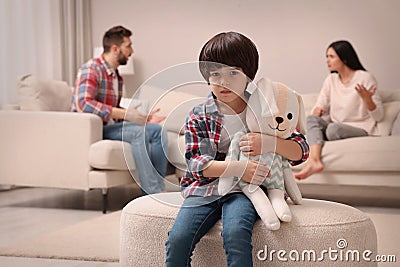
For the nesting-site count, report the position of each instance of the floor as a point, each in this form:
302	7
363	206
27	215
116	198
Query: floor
28	212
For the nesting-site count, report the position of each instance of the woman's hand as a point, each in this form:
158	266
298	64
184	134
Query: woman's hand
366	95
318	111
253	144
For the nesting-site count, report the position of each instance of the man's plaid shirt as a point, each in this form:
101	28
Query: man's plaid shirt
94	91
202	136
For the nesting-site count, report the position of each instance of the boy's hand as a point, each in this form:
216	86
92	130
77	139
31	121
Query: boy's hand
253	144
255	172
250	171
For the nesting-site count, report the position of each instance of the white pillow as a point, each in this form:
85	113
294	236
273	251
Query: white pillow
391	109
175	103
396	126
37	94
309	101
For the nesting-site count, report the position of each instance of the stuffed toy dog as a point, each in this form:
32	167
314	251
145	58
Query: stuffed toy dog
273	109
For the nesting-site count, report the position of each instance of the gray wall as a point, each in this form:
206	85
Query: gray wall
291	36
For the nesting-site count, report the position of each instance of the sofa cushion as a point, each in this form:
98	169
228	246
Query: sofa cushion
362	153
389	95
111	155
396	126
43	95
176	150
175	103
309	100
391	110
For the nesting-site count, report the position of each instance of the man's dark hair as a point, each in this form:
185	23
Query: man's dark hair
115	36
347	54
231	49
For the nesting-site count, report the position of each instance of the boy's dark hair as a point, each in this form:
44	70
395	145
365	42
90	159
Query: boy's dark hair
115	36
347	54
231	49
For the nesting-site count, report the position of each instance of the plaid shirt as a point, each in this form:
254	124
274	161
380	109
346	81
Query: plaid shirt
202	136
94	91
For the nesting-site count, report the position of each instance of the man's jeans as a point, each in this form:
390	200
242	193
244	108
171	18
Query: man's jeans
149	147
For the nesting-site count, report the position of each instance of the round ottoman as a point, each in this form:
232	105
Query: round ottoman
321	233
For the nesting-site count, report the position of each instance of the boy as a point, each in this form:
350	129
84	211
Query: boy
228	61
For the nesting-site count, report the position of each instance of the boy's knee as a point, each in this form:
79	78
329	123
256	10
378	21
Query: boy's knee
177	238
233	235
237	240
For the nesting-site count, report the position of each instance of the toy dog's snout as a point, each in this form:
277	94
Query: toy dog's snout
279	120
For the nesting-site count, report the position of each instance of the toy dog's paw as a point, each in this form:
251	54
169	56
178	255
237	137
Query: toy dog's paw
297	201
273	226
285	217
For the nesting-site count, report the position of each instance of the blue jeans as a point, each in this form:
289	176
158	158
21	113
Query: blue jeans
196	217
149	147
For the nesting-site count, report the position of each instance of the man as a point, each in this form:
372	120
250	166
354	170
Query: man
98	90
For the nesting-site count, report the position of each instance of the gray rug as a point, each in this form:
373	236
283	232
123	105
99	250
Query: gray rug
92	240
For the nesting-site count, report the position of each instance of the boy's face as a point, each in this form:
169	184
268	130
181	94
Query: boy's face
228	83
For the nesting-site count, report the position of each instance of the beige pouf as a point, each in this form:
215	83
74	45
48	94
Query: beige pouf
322	233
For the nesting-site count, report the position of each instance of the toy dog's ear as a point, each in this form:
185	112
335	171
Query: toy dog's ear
301	123
267	97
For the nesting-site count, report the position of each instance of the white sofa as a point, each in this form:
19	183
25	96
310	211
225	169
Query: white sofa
366	162
371	162
43	144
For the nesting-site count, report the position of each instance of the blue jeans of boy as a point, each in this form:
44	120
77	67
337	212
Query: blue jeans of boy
196	217
149	147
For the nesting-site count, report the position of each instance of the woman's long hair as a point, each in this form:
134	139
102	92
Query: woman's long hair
347	54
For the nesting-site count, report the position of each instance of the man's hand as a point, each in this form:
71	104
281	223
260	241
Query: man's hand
134	115
253	144
154	118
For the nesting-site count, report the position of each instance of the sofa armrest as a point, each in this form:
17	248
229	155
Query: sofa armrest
11	107
47	149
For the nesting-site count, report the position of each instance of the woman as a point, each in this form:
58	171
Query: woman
349	94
